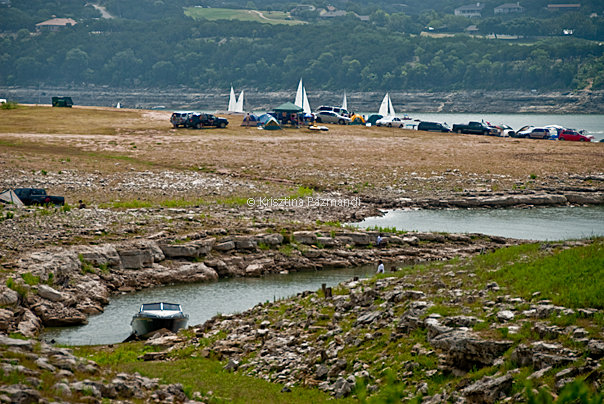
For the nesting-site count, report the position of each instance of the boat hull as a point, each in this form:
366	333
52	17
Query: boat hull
142	325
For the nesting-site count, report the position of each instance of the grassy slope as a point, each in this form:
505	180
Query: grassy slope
213	14
520	270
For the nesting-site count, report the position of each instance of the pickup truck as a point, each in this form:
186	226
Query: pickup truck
38	196
476	128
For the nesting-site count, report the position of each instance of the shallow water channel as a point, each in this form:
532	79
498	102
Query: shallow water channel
227	296
551	223
200	301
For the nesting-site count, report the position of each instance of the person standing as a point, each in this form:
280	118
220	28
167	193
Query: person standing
380	269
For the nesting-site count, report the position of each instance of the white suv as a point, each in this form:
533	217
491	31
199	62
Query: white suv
179	118
337	110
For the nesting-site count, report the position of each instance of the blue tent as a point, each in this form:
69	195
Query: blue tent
250	120
268	122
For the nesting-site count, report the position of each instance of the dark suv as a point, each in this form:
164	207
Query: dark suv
433	127
200	120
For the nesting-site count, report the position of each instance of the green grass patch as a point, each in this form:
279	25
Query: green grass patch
569	277
30	279
264	17
17	287
204	375
9	105
302	192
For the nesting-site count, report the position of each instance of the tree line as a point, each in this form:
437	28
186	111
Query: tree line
343	54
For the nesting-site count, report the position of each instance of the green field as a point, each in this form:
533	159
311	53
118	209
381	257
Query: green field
266	17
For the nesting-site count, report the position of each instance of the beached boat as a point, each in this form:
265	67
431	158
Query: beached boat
155	316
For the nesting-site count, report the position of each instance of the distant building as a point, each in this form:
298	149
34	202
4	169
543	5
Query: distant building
471	10
55	24
564	7
509	8
332	12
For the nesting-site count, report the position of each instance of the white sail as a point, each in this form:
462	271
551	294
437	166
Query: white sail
384	106
232	101
345	103
239	106
299	95
390	108
305	104
119	105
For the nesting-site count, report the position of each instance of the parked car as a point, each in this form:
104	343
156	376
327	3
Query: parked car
179	118
331	117
573	135
476	128
534	133
504	130
199	120
433	127
390	121
37	196
66	102
337	110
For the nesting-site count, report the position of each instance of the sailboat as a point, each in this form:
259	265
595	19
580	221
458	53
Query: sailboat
302	99
386	108
345	103
239	104
232	101
235	104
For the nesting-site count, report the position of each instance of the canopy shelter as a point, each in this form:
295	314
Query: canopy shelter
289	114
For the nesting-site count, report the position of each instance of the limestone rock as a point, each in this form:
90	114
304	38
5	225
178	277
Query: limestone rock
488	389
29	325
56	315
135	258
225	246
100	255
187	273
49	293
305	237
595	348
465	350
6	318
8	297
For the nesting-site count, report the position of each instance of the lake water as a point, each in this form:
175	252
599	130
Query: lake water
200	301
551	223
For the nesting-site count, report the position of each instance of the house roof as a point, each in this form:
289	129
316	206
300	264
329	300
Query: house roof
57	22
509	5
476	6
573	5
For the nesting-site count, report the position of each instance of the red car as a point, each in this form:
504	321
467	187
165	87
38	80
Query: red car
571	134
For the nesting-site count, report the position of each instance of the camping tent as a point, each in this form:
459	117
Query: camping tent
268	122
357	119
250	120
9	196
374	118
